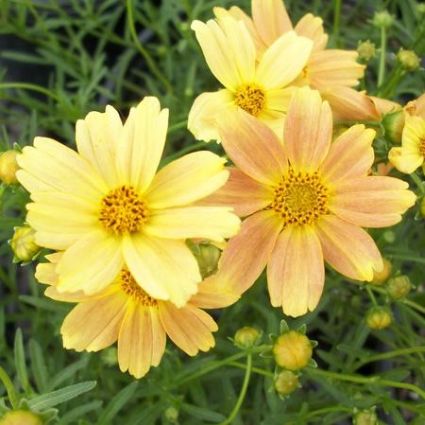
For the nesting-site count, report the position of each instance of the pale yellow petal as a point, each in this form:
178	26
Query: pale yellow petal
405	161
311	26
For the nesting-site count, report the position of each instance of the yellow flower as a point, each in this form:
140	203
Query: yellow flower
23	243
257	87
334	72
305	202
8	167
292	350
124	312
105	205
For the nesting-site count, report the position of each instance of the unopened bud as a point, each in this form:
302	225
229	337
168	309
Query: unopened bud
382	19
378	318
379	278
109	356
398	287
207	256
286	382
292	350
393	124
171	414
247	337
20	417
421	8
8	167
23	243
366	50
408	59
365	417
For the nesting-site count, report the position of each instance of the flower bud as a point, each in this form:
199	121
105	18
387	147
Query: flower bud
247	337
423	207
379	278
383	19
23	243
378	318
207	256
393	124
366	50
286	382
171	414
8	167
365	417
20	417
292	350
109	356
421	8
408	59
398	287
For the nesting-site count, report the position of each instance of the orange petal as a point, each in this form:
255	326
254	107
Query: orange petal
349	104
312	27
189	327
244	194
141	340
373	201
308	130
253	147
246	255
270	19
348	248
296	271
351	154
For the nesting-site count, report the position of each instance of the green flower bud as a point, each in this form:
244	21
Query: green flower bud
286	382
383	19
378	318
408	59
23	243
398	287
247	337
171	414
365	417
393	124
366	50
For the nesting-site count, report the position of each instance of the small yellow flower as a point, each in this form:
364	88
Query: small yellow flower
20	417
380	277
398	287
378	318
107	205
123	312
23	243
247	337
8	167
286	382
292	350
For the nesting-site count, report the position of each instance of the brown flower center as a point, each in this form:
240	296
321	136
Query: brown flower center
300	198
130	287
250	98
422	146
123	211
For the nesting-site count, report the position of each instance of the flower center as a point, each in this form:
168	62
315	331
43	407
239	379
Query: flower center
123	211
250	98
130	287
422	146
300	198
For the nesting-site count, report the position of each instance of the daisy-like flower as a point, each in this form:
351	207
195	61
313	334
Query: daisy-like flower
334	72
257	87
105	205
124	312
305	201
411	154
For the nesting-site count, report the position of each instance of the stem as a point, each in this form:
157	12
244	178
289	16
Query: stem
150	62
381	72
414	305
372	380
178	126
28	86
242	394
371	296
418	182
11	393
337	19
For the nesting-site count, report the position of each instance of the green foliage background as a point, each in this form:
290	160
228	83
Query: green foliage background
61	59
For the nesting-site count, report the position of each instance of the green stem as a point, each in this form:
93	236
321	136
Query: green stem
28	86
419	183
242	394
150	62
414	305
382	58
11	393
373	380
337	19
371	296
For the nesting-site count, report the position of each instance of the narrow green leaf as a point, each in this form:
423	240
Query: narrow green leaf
20	365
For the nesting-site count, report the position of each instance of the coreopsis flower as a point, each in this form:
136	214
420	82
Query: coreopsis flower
255	86
305	201
411	154
106	205
334	72
123	312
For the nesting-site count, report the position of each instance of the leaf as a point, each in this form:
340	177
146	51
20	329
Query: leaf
203	413
54	398
20	365
80	411
38	365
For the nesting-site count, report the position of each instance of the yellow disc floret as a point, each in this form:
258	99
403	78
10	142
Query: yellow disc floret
123	211
300	198
251	99
131	288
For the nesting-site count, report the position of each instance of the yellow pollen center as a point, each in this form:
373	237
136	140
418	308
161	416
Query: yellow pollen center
251	99
422	147
300	198
130	287
123	211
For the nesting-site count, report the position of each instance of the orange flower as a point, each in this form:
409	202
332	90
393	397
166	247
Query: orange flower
331	71
306	201
124	312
